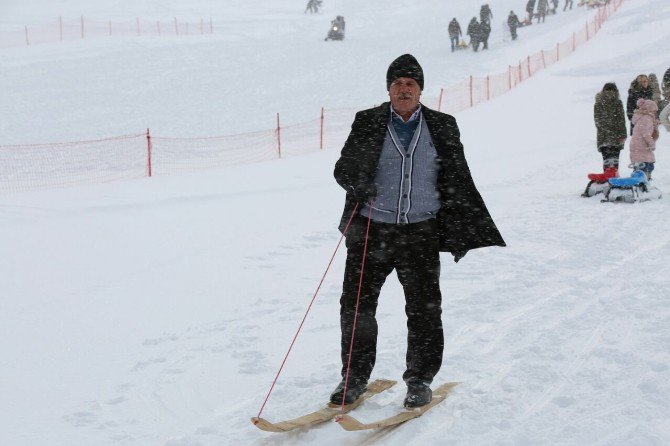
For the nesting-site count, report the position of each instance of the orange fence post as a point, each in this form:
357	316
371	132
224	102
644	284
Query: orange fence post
278	137
60	26
176	27
509	76
148	153
439	101
211	28
471	97
27	41
82	27
529	72
488	87
110	27
558	52
321	137
138	26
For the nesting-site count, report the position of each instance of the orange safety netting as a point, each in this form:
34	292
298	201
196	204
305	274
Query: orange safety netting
68	29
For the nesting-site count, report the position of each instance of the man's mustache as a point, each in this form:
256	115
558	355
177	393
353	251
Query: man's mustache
404	96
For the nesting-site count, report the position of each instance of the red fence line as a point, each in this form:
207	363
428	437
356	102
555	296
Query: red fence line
38	166
84	28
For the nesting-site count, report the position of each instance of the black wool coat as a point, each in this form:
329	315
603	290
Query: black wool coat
634	93
464	223
610	120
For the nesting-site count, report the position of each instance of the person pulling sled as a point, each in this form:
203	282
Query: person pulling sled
610	120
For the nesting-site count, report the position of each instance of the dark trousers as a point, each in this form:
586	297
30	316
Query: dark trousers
454	42
413	251
610	156
566	4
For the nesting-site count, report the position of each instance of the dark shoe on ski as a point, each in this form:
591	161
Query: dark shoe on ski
418	394
355	388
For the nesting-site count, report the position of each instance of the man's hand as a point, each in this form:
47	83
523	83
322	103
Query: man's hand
364	192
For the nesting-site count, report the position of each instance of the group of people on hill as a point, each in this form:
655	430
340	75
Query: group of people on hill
479	31
647	106
548	7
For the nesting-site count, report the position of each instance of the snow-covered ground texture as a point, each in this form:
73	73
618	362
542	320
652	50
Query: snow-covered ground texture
157	311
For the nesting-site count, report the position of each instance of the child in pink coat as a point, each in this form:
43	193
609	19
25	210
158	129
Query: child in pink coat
645	134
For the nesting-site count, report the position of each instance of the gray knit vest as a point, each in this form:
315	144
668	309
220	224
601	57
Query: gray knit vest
406	179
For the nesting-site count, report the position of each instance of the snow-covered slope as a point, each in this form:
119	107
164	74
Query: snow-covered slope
156	312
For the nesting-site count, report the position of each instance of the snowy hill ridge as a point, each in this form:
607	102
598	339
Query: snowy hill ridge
138	156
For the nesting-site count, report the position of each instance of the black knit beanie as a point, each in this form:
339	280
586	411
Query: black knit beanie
404	66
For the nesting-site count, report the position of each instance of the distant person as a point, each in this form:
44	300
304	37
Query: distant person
474	32
645	134
542	6
567	2
313	6
655	88
555	8
336	31
485	14
665	101
664	116
455	33
639	88
530	7
339	21
610	121
485	32
665	85
513	23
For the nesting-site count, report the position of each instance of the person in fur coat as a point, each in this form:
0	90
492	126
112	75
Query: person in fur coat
639	88
645	134
610	121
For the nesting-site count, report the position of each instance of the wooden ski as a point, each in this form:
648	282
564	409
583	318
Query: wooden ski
352	424
324	414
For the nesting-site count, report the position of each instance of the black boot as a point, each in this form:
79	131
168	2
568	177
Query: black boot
418	394
355	388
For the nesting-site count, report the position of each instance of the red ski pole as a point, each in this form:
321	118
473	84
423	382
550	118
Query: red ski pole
309	307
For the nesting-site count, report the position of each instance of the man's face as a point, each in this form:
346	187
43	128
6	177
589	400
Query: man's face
405	94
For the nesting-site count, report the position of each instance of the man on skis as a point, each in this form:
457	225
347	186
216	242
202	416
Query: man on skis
409	195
